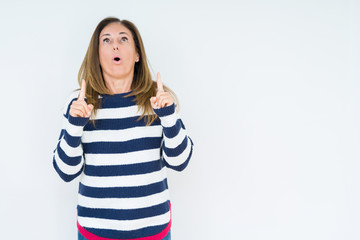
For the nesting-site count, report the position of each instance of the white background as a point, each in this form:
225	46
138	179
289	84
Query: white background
269	93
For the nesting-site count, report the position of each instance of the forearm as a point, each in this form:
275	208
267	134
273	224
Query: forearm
68	155
177	145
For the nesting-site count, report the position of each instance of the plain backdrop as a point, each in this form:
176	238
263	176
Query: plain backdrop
268	90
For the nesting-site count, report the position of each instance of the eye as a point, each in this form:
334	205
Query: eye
106	40
124	39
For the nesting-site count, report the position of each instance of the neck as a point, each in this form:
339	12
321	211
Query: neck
118	85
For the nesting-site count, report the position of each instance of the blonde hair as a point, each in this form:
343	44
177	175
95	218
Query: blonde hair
143	86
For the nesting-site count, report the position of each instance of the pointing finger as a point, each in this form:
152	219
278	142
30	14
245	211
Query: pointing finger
159	82
82	90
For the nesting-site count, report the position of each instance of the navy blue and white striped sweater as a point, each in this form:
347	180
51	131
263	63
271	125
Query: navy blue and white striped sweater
123	191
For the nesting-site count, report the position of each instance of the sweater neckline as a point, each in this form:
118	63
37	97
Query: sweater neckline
117	94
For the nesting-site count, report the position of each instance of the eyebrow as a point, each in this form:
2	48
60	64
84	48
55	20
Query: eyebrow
108	34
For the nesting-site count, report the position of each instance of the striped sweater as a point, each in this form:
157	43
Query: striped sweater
123	191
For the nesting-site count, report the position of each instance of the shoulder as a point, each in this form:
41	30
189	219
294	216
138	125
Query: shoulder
73	95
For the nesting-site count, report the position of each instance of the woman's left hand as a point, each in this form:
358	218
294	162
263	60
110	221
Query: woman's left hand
162	99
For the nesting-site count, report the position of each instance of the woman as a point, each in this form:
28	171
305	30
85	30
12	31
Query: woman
120	131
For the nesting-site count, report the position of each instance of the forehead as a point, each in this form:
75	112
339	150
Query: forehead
114	29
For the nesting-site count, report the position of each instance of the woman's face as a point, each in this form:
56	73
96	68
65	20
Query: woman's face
117	51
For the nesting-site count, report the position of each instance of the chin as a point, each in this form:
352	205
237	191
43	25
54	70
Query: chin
117	71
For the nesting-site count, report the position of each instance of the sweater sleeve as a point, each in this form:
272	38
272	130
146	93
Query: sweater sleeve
177	146
68	159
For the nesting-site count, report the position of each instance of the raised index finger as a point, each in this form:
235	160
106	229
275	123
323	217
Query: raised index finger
82	90
159	82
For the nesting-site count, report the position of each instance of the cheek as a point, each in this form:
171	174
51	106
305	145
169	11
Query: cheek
130	51
103	55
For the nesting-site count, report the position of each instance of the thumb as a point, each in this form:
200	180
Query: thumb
152	101
91	107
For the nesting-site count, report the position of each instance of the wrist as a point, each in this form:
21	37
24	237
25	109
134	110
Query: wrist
78	121
165	111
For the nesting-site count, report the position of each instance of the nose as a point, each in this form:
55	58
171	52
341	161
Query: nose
116	48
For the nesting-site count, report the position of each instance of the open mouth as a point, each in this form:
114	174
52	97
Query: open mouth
117	59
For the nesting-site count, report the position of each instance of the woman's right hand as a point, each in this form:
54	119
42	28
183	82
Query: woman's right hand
80	108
